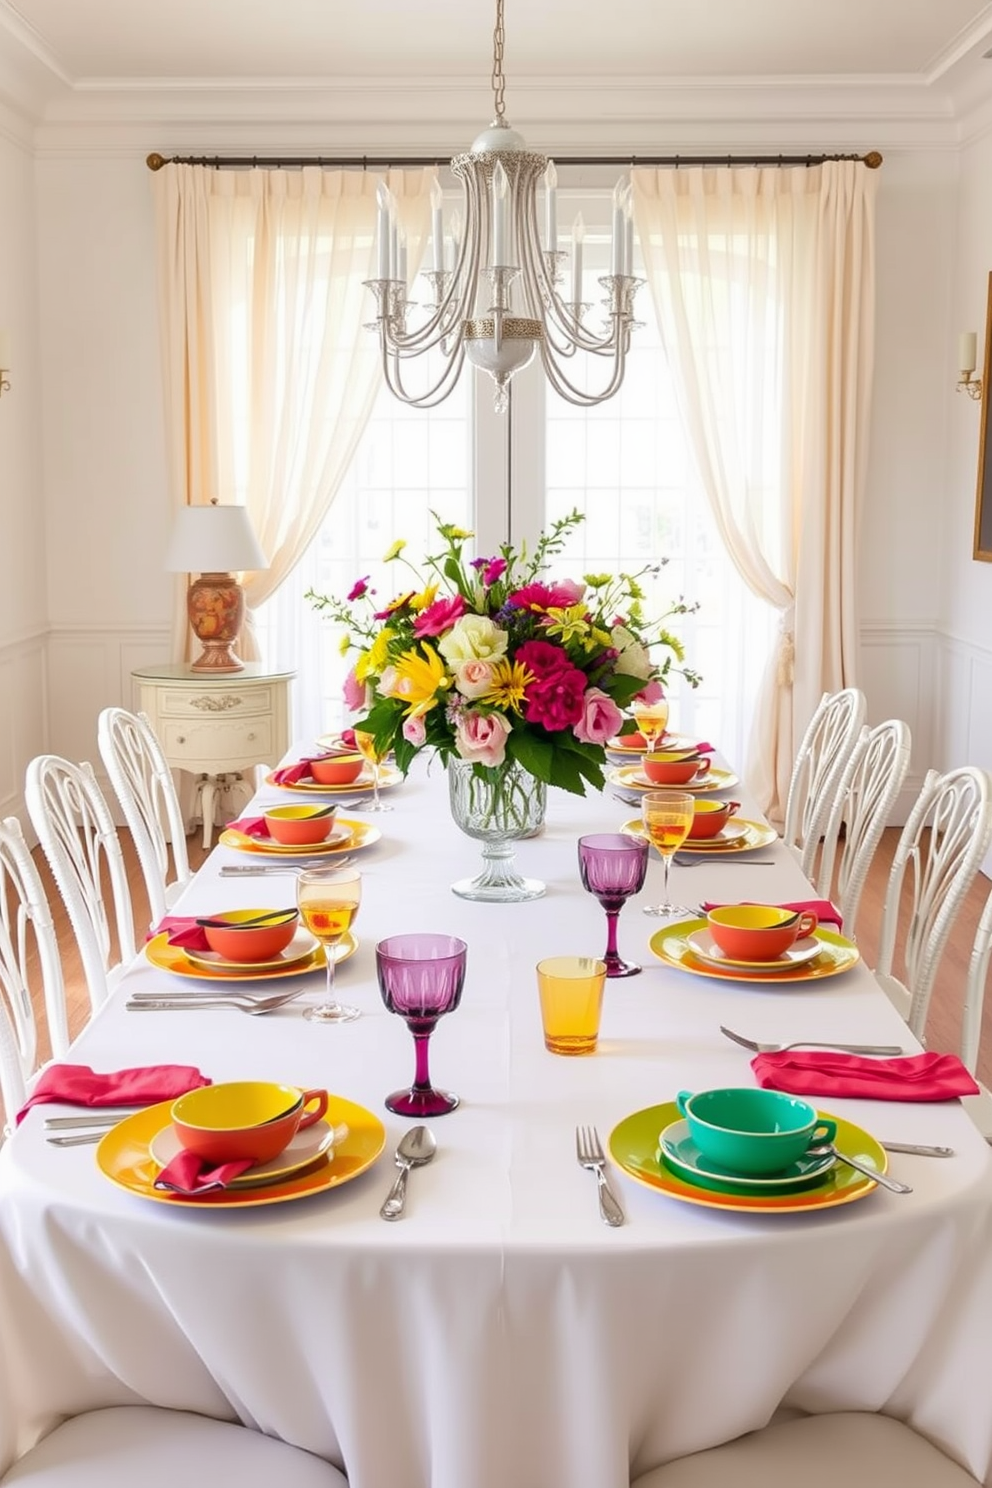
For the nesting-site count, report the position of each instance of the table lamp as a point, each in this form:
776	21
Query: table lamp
215	542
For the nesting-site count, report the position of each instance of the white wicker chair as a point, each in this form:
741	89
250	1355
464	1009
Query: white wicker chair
871	782
826	747
143	784
23	904
77	835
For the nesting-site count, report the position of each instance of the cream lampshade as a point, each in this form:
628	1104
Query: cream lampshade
215	542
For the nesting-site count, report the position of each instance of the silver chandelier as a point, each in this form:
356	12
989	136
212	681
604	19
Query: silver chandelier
499	258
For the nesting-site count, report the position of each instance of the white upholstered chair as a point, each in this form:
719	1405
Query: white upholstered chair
826	747
24	908
143	1446
79	840
851	1449
868	789
143	784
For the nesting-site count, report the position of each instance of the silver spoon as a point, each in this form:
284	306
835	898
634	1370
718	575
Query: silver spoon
822	1149
416	1147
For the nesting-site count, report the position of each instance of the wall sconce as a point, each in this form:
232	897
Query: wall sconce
4	362
967	357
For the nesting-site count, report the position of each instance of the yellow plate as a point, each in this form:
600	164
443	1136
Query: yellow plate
634	1146
302	946
388	776
360	834
755	834
124	1157
837	955
630	777
172	958
670	741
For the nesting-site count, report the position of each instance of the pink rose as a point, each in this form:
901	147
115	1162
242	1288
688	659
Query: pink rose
354	693
601	718
439	617
473	678
653	692
555	701
414	731
481	737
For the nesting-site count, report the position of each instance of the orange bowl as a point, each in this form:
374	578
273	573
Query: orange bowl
710	817
241	1120
758	932
674	767
337	769
236	942
299	826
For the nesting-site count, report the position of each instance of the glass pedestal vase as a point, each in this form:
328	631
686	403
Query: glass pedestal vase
497	805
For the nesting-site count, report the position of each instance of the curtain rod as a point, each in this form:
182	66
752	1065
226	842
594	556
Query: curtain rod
376	162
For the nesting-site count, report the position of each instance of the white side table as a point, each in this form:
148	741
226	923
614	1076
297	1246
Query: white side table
216	725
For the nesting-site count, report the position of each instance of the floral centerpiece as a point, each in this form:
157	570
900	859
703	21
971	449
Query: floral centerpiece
489	662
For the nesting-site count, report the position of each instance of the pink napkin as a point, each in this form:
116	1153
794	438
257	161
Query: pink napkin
704	748
78	1085
183	931
825	912
917	1077
190	1175
252	826
293	774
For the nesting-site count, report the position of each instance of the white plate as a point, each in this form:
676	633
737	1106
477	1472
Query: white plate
705	947
305	1148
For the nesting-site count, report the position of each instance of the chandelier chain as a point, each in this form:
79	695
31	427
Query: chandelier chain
498	81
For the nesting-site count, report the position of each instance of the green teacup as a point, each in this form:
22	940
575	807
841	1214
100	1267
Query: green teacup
753	1131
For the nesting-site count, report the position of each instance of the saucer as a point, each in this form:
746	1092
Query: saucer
732	832
632	777
305	1148
681	1154
702	944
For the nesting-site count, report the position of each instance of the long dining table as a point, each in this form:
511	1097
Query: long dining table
501	1334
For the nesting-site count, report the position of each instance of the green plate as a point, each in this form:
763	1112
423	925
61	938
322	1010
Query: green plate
679	1152
634	1146
837	955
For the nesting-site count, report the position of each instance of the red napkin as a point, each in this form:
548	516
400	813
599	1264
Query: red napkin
183	931
78	1085
825	912
252	826
293	774
190	1175
918	1077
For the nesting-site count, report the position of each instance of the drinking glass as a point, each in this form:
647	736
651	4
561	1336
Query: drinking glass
651	720
613	868
366	746
571	992
667	817
421	977
328	900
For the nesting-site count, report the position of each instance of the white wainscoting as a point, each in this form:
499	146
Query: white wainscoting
900	667
23	715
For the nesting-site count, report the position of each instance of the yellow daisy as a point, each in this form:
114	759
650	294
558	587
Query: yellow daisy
509	681
394	551
372	661
420	678
424	598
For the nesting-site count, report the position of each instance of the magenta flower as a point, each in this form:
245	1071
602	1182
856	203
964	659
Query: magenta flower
556	701
651	692
547	596
542	658
359	587
495	569
439	617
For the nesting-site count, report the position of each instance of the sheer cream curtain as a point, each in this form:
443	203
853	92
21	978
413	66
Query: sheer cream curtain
763	283
270	374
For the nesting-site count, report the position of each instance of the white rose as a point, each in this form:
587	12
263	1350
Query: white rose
632	658
472	638
473	678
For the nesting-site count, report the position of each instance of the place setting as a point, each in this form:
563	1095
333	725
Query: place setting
299	831
685	768
774	945
344	772
238	946
715	830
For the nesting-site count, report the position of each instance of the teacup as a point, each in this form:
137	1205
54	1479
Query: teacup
237	942
337	769
674	766
758	932
299	826
753	1131
710	817
244	1119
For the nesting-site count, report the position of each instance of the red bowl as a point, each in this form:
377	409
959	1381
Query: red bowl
236	942
674	767
242	1120
337	769
299	826
710	817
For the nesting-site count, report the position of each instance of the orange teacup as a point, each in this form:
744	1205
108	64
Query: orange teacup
299	826
758	932
238	941
242	1120
675	766
710	817
337	769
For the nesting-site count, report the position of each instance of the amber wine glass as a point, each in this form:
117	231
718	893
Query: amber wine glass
667	817
328	900
366	745
651	720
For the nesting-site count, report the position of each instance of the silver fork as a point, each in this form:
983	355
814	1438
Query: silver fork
251	870
149	1002
757	1048
589	1151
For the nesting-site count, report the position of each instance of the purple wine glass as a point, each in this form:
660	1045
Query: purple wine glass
421	977
613	868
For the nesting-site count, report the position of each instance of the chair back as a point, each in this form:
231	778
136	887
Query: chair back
937	858
23	904
826	747
143	784
868	789
79	839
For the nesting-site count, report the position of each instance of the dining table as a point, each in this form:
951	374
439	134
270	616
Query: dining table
500	1333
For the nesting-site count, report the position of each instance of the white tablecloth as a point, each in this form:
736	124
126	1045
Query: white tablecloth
501	1334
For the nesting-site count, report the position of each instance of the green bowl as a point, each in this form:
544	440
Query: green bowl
753	1131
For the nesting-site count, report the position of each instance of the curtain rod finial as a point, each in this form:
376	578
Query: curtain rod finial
155	161
873	159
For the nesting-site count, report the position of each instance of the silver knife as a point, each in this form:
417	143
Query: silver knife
917	1151
74	1123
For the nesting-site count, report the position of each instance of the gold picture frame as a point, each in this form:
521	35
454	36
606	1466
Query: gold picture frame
983	499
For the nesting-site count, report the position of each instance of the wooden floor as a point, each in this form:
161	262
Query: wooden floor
942	1032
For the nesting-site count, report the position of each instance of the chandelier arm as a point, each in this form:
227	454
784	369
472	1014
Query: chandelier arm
391	366
557	316
572	394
